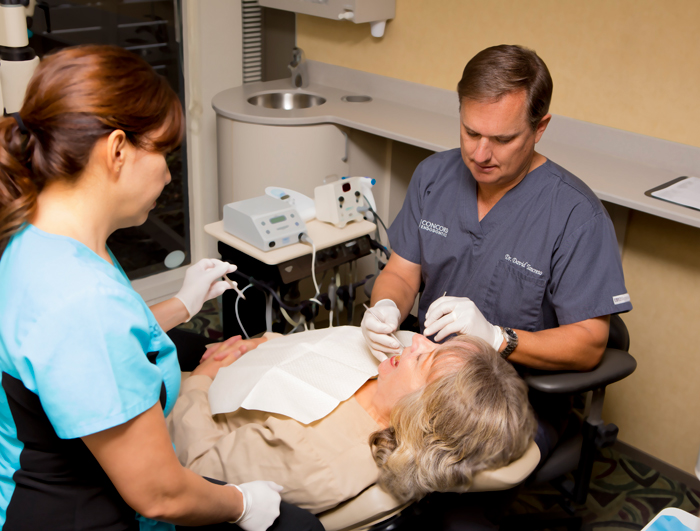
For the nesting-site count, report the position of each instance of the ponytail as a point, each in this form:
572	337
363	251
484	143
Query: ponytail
18	187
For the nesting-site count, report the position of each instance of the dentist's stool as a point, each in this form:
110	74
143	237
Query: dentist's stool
576	450
374	505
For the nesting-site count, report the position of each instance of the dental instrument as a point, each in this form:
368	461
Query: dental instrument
234	286
391	335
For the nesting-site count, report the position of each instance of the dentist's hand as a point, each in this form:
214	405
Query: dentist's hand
459	315
261	505
377	323
203	282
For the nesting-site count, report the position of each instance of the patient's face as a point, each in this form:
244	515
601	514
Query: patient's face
401	375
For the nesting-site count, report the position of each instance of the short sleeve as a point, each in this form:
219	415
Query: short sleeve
403	233
587	279
87	361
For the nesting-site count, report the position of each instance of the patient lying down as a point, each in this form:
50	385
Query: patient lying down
435	416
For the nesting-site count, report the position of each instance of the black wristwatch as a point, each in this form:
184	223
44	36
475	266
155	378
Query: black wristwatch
511	338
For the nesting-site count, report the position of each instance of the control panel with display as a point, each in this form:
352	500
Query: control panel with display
265	222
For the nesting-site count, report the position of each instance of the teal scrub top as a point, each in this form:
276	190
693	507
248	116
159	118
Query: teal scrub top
80	352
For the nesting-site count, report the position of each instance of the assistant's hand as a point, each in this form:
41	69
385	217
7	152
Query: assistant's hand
459	315
377	323
203	282
261	505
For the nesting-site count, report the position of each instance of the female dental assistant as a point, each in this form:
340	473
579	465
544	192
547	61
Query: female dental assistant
87	370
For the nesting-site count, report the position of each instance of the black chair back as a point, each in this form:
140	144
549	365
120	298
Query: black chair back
619	337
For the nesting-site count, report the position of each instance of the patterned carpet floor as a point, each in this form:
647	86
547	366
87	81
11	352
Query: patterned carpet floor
624	494
207	322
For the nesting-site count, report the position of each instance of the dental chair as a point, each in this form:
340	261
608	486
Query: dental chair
374	507
574	453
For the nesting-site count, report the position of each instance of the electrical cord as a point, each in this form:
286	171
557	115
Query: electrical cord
293	330
333	300
288	318
238	317
387	253
320	300
305	239
263	286
268	312
374	244
369	207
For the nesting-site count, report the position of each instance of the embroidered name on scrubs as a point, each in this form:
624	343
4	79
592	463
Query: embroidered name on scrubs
525	265
434	227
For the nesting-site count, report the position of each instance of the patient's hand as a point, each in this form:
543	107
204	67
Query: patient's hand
232	344
214	348
224	354
210	367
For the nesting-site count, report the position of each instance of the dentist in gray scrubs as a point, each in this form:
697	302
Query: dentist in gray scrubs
524	249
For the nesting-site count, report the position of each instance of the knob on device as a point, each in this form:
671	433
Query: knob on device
342	201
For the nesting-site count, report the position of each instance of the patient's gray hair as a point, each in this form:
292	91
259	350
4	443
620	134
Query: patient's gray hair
472	415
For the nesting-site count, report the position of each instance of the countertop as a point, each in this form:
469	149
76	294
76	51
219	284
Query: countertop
323	234
619	166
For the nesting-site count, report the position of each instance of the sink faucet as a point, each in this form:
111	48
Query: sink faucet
300	73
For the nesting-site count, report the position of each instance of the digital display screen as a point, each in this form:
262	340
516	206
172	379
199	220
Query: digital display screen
278	219
346	187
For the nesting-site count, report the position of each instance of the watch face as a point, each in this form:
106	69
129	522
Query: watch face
511	333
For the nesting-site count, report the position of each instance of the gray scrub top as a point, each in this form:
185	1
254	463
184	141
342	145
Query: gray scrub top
545	255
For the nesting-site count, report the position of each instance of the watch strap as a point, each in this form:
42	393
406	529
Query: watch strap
512	339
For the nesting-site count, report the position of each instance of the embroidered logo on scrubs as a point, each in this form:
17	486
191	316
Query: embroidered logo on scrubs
434	227
621	299
524	265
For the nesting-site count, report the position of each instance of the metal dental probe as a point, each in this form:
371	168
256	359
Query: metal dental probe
367	308
234	286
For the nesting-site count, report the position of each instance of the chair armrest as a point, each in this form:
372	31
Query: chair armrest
614	366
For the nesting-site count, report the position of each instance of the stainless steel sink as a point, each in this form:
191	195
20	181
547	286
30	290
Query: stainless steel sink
286	100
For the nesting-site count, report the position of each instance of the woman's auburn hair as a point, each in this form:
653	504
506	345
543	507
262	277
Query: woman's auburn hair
473	415
76	97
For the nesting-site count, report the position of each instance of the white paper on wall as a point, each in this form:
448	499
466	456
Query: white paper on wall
684	192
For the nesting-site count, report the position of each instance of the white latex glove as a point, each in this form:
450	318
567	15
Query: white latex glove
203	282
459	315
378	323
261	504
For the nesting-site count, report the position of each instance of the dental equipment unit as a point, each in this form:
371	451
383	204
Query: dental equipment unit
278	218
283	237
264	222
